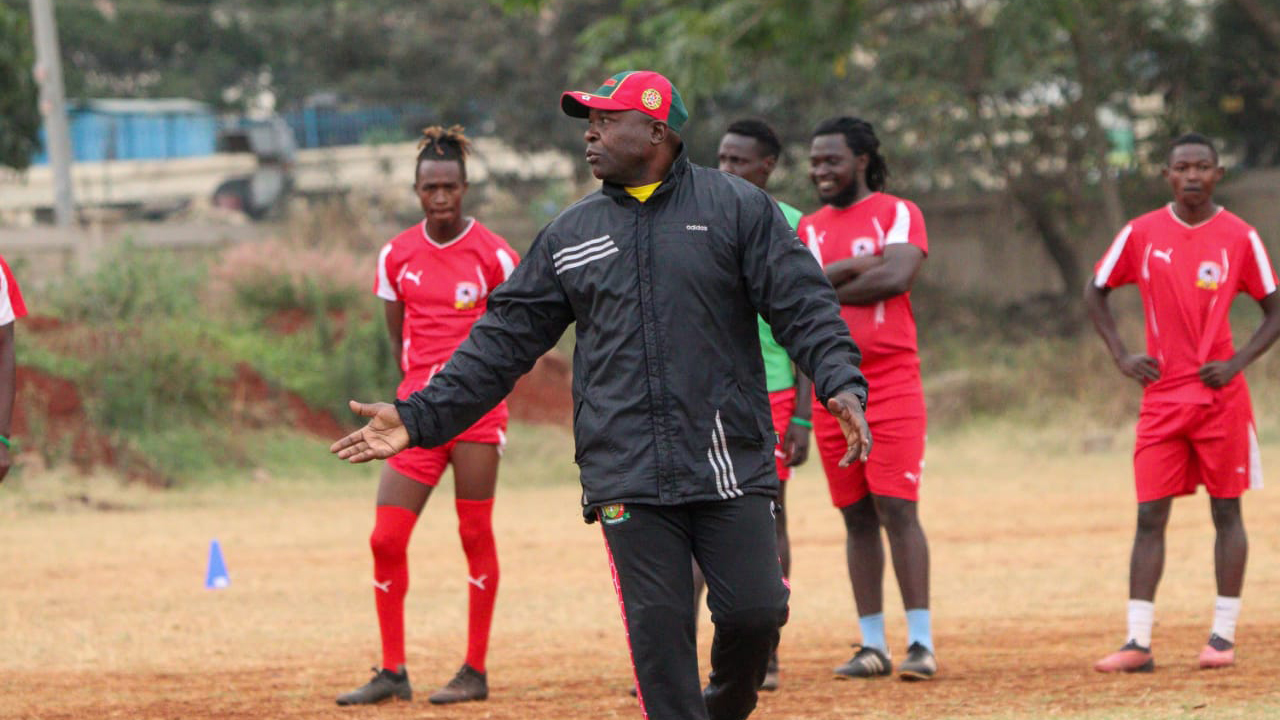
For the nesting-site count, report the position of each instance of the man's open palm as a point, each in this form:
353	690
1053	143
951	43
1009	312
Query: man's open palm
381	438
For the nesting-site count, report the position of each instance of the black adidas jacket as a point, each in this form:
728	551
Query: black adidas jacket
669	392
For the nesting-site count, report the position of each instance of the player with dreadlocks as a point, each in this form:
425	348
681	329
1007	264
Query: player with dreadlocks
435	279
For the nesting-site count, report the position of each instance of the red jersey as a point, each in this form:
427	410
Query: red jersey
444	286
11	305
1188	276
885	331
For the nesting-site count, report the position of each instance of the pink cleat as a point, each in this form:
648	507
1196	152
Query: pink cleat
1218	653
1130	658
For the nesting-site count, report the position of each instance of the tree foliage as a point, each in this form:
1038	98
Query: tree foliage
1238	93
19	97
467	61
1006	94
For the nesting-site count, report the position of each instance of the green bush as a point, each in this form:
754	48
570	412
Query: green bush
155	377
273	276
130	283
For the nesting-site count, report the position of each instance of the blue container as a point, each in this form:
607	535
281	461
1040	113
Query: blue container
138	130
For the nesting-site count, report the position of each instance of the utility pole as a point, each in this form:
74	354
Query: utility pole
53	105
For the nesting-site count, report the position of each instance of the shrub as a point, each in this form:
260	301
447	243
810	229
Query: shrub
130	283
274	276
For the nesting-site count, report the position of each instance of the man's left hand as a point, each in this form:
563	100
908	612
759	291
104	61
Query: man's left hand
848	410
1218	373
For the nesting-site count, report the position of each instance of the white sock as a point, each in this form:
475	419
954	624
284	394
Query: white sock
1141	617
1225	612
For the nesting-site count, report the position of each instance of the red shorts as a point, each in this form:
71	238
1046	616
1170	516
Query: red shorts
426	465
894	468
782	404
1181	446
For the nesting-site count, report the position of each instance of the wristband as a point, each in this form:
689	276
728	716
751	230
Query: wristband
6	442
802	422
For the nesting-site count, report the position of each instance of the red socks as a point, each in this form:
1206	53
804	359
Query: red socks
390	541
475	526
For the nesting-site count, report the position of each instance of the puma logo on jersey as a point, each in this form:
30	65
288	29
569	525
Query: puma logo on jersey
383	586
415	277
1165	255
913	477
478	582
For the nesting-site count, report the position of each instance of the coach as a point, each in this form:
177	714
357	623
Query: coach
664	270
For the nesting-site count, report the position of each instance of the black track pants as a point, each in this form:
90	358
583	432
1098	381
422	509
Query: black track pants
735	545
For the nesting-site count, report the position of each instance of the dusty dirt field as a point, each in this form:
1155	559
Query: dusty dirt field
104	614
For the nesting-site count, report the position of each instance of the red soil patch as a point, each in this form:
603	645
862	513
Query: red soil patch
292	321
545	394
49	415
257	403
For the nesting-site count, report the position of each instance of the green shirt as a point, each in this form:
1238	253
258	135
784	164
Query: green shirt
779	374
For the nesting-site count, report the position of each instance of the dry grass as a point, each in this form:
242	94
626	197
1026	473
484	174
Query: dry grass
105	613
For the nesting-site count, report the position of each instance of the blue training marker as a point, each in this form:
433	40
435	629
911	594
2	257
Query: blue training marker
216	578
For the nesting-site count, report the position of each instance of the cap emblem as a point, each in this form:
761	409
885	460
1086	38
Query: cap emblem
651	99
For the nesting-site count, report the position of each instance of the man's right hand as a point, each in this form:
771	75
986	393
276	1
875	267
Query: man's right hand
847	408
381	438
1140	367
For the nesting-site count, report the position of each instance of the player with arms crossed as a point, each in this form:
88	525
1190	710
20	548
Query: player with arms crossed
871	245
750	150
435	279
1189	260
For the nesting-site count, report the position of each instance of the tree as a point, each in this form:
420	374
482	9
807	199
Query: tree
1238	88
995	94
19	97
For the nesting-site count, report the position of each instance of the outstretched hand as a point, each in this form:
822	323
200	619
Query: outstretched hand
847	408
382	437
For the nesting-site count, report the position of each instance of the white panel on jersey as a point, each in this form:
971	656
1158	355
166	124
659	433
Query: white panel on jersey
6	303
900	231
814	245
1112	257
1264	263
385	290
507	262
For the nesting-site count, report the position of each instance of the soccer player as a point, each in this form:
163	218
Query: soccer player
871	245
11	308
435	279
750	150
1189	260
664	270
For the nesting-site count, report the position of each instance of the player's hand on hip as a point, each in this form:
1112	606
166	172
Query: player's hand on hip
1140	367
846	408
795	444
382	437
1218	373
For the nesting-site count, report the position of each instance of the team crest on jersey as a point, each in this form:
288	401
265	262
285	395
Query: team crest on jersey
614	514
466	295
1209	275
651	99
864	246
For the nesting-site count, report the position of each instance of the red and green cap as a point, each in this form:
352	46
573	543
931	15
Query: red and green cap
643	90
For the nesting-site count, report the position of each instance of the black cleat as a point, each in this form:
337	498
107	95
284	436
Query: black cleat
770	682
868	662
919	665
384	686
468	684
